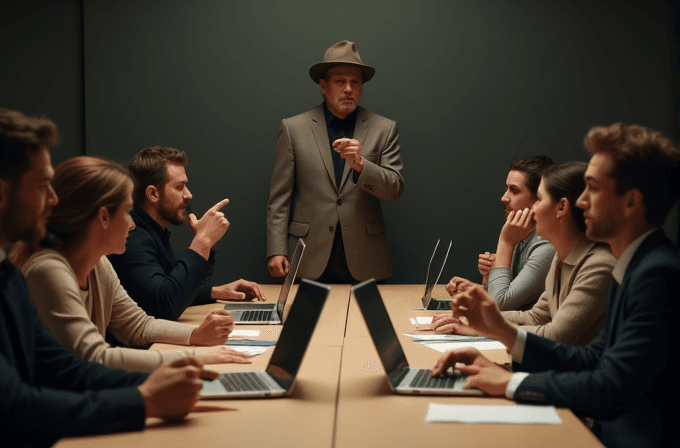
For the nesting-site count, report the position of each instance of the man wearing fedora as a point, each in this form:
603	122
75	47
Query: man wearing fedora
333	165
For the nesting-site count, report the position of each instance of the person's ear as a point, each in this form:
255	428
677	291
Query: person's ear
152	194
322	86
104	217
562	207
633	202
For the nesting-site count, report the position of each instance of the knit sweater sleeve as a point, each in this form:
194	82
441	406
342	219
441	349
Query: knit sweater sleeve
54	290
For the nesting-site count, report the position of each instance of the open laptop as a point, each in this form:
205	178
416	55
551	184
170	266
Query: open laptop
278	379
428	302
402	378
268	313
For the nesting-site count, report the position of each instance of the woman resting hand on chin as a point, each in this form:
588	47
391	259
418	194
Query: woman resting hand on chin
572	307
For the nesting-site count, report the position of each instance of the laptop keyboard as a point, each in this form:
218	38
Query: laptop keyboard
257	316
424	380
242	381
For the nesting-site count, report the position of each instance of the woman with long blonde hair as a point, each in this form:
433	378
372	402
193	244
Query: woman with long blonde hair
76	291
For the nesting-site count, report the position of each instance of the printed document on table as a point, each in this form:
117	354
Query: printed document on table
245	333
444	347
421	320
468	413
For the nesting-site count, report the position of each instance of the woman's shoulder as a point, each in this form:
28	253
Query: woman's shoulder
46	260
600	253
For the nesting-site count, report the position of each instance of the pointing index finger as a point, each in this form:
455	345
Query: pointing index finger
220	204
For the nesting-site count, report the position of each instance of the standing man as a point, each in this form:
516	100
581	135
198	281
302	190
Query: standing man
625	379
333	165
47	392
163	286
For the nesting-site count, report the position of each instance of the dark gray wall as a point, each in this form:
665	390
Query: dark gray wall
40	66
471	85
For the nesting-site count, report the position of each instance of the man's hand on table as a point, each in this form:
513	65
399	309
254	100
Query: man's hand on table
172	390
238	290
214	330
278	266
481	373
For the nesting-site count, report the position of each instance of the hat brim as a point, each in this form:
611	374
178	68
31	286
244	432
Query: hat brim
318	70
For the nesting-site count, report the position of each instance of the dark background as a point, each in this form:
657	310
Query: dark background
470	84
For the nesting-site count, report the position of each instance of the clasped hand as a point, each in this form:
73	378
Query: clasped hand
172	390
214	330
350	150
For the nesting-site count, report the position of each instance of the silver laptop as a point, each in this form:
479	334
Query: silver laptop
279	377
402	378
268	313
428	302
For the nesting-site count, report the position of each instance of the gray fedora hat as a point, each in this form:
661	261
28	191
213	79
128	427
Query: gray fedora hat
344	52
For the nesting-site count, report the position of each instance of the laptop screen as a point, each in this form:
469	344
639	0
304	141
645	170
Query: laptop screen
297	331
290	277
431	282
382	331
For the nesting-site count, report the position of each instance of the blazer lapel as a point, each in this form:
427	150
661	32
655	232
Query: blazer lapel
614	308
318	124
360	131
23	353
617	297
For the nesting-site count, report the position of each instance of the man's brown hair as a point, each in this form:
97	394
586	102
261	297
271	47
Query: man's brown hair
150	167
643	159
533	167
21	137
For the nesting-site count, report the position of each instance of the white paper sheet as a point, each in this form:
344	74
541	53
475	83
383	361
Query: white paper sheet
421	320
245	333
444	347
517	414
441	337
250	349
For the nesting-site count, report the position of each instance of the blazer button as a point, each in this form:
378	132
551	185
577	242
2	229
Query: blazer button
339	201
330	228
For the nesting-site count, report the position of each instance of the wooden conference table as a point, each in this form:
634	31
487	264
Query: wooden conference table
341	398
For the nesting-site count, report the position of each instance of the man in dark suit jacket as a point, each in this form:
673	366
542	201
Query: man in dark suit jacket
624	379
47	392
332	167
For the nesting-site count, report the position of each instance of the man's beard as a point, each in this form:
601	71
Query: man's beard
174	216
17	230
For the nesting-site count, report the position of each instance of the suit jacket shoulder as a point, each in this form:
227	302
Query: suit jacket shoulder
623	377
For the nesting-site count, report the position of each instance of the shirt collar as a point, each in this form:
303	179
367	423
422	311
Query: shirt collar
579	252
527	240
330	118
622	263
140	216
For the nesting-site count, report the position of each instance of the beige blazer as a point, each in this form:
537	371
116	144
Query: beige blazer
303	184
572	307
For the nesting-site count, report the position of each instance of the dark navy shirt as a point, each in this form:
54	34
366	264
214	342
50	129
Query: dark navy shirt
338	128
163	286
